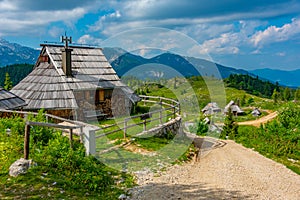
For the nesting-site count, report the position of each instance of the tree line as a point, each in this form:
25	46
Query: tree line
11	75
258	87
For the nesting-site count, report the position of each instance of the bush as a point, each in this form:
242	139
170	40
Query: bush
278	139
59	168
200	128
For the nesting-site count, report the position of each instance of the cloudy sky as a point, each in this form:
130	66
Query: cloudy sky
242	34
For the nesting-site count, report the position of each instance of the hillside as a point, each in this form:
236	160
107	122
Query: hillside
166	65
58	172
13	53
287	78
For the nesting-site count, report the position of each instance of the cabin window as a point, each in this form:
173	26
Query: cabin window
87	95
101	95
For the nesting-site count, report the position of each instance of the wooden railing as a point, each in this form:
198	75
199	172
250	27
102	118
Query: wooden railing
75	125
170	107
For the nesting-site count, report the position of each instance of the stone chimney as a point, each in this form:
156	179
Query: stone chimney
67	57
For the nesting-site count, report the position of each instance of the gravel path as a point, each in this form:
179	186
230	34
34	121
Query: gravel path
260	121
228	172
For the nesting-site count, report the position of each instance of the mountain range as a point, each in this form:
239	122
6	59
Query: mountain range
13	53
165	65
287	78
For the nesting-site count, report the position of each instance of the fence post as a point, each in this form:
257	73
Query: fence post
160	112
81	134
89	140
160	116
125	127
174	111
145	125
71	138
26	141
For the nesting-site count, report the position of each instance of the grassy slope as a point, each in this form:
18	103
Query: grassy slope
37	185
248	136
60	172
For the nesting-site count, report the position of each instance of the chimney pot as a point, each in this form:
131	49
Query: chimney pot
67	61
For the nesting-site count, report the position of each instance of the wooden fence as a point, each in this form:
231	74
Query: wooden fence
87	132
170	107
75	125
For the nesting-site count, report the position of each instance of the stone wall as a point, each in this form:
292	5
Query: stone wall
173	126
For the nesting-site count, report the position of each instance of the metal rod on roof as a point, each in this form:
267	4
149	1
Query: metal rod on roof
66	40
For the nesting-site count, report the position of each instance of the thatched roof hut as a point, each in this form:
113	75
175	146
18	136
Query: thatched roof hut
76	78
9	101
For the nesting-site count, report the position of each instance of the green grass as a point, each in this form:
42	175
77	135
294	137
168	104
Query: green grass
163	152
272	144
248	116
60	172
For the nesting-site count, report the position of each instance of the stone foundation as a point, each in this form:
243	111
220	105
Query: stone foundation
172	126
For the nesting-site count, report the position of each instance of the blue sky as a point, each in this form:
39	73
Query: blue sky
242	34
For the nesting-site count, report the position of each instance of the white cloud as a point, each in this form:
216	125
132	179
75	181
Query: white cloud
88	39
20	17
226	43
201	32
7	5
100	25
167	9
256	51
55	31
281	54
276	34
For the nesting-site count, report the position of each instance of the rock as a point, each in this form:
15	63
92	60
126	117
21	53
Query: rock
20	166
122	197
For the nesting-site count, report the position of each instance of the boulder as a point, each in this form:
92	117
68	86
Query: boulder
20	166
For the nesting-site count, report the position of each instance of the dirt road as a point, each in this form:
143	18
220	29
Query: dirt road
227	172
259	121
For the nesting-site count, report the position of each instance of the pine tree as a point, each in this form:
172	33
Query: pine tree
297	95
275	96
243	100
7	83
230	128
287	94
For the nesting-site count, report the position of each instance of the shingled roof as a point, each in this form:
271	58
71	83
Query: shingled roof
47	86
10	101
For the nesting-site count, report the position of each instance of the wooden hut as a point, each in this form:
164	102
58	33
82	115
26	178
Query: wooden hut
75	81
235	109
9	101
211	108
256	112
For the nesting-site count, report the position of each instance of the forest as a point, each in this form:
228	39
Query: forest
262	88
16	72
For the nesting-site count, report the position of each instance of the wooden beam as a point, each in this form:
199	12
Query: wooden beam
53	125
26	141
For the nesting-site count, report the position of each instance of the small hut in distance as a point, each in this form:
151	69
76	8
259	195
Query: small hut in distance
70	81
256	112
235	109
211	108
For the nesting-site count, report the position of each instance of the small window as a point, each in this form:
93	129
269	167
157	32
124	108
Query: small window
87	95
101	95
